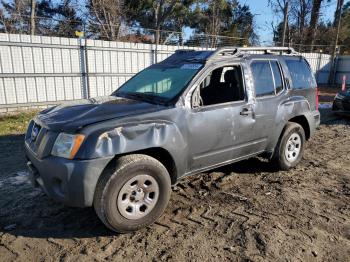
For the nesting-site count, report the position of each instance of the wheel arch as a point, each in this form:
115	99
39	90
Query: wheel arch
158	153
299	119
302	120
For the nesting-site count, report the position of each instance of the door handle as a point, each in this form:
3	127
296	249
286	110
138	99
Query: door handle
246	111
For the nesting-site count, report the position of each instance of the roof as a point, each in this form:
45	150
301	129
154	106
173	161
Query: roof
183	56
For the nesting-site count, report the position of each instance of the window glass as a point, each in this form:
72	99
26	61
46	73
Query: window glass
206	82
301	75
222	85
262	78
277	75
164	83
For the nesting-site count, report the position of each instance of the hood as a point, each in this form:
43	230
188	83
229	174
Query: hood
74	115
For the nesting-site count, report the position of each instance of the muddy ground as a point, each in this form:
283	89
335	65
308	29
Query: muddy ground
243	212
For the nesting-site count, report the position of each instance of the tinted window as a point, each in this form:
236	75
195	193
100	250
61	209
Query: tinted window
262	78
164	83
277	75
301	74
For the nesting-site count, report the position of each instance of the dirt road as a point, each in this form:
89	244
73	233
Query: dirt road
242	212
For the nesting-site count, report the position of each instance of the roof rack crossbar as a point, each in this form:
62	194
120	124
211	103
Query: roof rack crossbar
236	51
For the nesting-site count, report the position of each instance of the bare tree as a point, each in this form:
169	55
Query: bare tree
315	14
105	18
337	23
32	17
296	16
300	12
281	6
158	15
14	16
161	10
285	21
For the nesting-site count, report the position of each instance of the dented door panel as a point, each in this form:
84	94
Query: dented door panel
218	134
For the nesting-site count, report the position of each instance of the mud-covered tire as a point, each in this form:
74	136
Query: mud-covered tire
111	183
281	159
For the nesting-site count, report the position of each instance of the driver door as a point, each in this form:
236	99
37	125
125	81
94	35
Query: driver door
220	119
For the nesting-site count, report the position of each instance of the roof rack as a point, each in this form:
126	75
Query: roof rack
236	51
184	50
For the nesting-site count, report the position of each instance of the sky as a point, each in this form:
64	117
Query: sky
264	16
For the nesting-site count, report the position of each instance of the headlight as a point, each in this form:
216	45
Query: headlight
67	145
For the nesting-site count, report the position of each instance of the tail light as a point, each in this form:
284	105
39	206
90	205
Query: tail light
317	100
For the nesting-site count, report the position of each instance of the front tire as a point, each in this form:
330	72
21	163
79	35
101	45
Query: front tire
132	195
290	147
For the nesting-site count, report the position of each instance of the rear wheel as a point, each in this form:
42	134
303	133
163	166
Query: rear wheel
133	194
290	147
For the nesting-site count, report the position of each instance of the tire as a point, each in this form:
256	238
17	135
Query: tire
115	202
284	157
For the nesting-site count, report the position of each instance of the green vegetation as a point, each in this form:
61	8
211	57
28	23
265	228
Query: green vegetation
15	123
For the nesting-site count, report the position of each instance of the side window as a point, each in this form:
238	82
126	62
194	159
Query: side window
301	74
277	76
222	85
262	78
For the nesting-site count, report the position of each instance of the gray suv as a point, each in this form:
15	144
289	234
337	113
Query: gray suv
190	113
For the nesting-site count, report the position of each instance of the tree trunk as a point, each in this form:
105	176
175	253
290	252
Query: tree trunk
32	18
285	22
337	23
157	22
315	14
157	36
337	14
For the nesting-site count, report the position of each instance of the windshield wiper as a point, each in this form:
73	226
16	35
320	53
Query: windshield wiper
147	96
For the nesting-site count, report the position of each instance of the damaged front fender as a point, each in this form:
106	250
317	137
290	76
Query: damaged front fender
133	137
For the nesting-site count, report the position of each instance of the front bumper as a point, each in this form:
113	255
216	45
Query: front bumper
71	182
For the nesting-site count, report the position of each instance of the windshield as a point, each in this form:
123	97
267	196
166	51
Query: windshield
162	84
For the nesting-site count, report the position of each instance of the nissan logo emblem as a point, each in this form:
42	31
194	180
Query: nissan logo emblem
35	132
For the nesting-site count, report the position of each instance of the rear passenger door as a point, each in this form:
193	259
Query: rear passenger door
268	84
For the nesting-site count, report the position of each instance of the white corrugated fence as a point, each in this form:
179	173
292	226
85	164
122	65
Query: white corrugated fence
41	70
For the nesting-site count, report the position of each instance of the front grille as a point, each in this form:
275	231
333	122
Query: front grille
34	136
35	132
39	139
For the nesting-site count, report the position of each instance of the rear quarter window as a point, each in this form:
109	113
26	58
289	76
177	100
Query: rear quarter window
262	78
302	77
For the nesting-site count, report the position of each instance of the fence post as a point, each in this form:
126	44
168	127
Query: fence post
87	69
156	54
318	66
84	67
334	76
333	70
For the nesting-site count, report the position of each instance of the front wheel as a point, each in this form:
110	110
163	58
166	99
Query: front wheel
290	147
133	194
